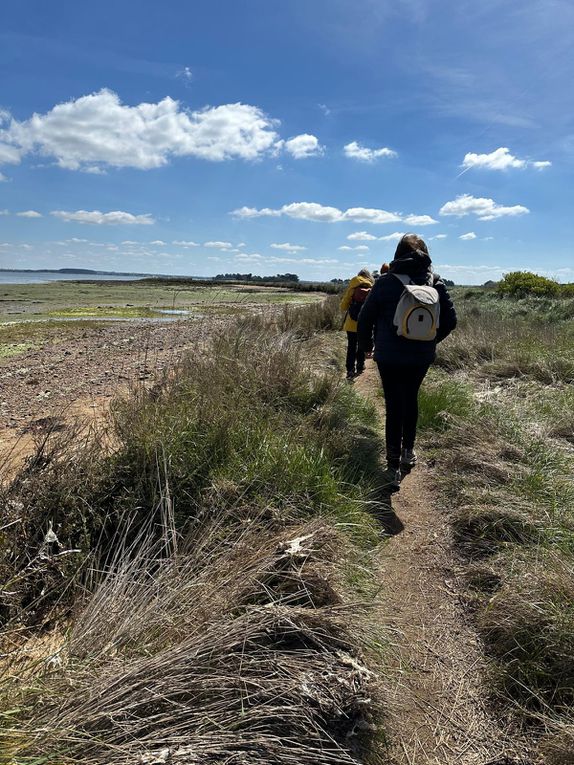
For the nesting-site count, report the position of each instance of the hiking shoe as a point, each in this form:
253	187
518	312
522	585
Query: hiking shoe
408	459
360	371
392	478
350	375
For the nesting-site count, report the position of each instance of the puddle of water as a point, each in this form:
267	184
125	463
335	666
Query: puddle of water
174	311
95	318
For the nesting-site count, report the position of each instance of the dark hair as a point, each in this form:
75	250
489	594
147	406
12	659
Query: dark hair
410	245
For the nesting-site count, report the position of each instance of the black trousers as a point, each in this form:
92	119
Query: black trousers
354	355
401	385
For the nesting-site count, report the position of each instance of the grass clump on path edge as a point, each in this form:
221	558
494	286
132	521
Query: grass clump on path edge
198	585
510	490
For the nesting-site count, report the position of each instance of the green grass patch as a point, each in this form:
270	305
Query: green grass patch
39	332
14	349
440	399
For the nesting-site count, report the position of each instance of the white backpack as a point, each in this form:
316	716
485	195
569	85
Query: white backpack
418	310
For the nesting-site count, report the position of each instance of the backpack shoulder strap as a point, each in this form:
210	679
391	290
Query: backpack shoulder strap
403	278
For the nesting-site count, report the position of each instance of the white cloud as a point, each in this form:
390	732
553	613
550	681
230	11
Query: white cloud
3	178
471	274
9	154
483	269
419	220
361	236
99	130
249	256
185	74
313	211
114	218
29	214
439	236
292	248
158	242
483	208
302	261
394	237
183	243
303	146
467	237
218	245
358	248
94	170
253	212
273	260
370	215
354	150
4	212
500	159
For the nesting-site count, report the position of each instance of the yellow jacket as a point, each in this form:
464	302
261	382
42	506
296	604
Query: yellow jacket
356	281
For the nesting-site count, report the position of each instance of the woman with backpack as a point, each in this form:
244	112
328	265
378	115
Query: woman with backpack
352	302
410	311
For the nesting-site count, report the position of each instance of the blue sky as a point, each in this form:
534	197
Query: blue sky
305	136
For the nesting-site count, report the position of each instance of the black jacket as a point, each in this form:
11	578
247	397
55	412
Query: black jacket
376	317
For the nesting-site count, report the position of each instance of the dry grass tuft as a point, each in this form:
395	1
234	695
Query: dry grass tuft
529	626
482	531
218	652
558	745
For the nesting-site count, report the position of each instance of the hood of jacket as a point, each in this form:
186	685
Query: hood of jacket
418	267
360	281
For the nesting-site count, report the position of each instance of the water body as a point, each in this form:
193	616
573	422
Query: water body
39	277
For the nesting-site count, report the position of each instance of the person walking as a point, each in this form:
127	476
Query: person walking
409	311
352	302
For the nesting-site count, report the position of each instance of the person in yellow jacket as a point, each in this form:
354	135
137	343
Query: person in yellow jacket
352	302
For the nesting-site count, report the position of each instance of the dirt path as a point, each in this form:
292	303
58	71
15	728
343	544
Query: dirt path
434	690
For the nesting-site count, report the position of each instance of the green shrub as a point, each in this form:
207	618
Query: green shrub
523	283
